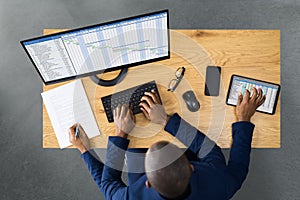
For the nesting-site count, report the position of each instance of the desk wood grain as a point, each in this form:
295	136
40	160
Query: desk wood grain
251	53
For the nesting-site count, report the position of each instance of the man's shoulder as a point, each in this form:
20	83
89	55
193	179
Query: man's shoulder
206	169
207	181
138	190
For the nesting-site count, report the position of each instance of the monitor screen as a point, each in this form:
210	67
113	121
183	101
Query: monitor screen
98	48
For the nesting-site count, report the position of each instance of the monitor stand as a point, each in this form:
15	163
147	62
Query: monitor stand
111	82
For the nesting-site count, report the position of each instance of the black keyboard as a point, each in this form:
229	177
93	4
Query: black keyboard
131	97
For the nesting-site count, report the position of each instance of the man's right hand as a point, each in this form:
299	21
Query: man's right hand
246	106
152	108
124	120
82	143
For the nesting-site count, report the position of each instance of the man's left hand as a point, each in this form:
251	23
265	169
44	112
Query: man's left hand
124	120
153	109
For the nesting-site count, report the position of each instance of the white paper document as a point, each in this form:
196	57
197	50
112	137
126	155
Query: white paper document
66	105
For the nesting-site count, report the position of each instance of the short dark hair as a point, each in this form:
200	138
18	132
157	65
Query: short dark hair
167	169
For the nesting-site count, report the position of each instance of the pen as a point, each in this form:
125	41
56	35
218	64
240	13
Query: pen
76	131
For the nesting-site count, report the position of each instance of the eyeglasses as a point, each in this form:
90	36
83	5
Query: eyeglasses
175	82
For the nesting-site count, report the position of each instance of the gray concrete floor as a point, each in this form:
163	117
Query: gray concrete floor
29	172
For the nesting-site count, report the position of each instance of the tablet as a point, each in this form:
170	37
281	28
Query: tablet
240	84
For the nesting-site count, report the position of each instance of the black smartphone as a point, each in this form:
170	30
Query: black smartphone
212	81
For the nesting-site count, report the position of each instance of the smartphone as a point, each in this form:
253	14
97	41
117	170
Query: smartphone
212	81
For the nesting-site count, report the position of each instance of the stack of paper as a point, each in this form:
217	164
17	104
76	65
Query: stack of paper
66	105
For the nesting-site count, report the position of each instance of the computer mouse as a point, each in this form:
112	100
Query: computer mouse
191	101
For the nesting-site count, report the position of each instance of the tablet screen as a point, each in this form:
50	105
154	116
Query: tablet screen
240	84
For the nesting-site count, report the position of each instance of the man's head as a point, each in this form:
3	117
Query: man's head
167	169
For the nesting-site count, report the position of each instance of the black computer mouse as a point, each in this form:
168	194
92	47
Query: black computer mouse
191	101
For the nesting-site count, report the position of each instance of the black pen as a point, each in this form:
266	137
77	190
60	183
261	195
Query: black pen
76	131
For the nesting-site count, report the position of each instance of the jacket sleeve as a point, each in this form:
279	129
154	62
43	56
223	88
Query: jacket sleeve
195	140
94	166
238	164
112	185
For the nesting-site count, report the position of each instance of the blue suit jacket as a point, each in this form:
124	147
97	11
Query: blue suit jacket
212	177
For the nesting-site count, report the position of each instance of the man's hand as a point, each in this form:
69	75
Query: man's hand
124	120
246	106
152	108
82	143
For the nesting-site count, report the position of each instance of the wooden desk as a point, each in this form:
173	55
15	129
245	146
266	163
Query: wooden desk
251	53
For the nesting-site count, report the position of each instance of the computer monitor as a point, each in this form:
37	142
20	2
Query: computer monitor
100	48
